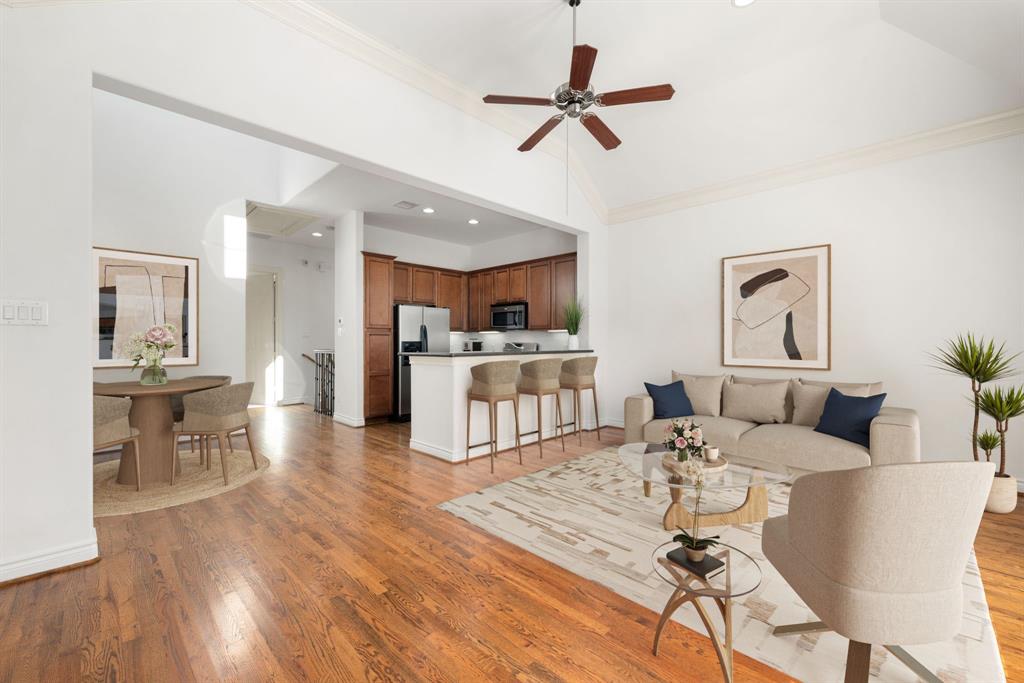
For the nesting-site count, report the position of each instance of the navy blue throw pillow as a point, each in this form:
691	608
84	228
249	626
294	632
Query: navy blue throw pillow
670	400
849	417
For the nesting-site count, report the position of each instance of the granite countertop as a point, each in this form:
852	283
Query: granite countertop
456	354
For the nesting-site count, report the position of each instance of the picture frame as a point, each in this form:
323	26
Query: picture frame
777	309
134	290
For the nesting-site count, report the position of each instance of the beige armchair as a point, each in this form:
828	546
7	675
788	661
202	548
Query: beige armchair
878	553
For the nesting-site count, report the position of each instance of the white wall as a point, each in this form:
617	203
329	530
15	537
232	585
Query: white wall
305	307
522	247
921	250
219	68
418	249
348	318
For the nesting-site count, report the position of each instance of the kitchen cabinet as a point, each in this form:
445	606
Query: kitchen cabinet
563	288
486	298
451	294
473	307
377	291
501	286
379	366
424	286
538	295
378	295
402	283
517	284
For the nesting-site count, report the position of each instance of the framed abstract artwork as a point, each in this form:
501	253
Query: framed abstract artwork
136	290
776	309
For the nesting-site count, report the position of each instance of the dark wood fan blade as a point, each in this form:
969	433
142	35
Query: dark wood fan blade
583	57
650	93
512	99
539	134
601	132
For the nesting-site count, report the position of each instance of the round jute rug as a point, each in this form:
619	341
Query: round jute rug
194	483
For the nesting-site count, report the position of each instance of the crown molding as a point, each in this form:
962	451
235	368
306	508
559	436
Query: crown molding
971	132
333	32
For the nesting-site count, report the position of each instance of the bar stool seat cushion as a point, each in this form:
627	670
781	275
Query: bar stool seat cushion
494	379
578	372
540	375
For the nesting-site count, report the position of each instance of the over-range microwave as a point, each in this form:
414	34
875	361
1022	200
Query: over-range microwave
508	317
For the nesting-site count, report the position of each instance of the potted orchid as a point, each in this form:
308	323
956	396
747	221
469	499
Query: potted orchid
150	347
694	546
684	438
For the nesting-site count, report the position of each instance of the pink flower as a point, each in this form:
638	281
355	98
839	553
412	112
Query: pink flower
698	442
680	442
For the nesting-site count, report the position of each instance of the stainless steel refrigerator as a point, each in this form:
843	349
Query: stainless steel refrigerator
417	329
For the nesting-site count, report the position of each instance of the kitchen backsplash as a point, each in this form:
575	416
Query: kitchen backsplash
495	341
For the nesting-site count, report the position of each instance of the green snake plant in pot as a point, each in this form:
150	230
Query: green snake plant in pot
979	361
1002	404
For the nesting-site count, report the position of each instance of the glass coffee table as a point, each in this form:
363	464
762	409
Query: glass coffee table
646	463
740	575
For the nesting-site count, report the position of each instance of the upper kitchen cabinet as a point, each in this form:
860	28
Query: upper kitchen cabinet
486	298
402	274
424	285
501	286
538	295
563	288
377	290
451	294
517	283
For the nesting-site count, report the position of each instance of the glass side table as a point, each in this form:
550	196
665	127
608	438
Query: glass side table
740	575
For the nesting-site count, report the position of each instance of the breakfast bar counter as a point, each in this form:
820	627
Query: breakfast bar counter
440	383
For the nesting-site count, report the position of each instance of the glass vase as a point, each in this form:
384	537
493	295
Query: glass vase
153	374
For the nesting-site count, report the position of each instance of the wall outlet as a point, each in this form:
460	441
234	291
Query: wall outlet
22	312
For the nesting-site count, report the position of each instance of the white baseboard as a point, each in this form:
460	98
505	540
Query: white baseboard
614	423
294	401
62	556
349	421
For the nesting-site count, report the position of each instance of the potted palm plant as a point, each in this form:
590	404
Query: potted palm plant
979	361
573	314
1002	404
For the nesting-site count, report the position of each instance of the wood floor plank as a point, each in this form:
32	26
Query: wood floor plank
336	565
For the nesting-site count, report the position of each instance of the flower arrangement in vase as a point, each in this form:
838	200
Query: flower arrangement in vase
685	439
150	347
694	546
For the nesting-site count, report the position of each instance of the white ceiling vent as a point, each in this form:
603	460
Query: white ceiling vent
406	205
275	221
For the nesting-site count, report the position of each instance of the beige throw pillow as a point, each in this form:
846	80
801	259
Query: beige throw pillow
761	403
735	379
809	398
704	392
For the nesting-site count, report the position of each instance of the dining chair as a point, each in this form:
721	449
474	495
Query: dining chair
110	428
218	413
178	407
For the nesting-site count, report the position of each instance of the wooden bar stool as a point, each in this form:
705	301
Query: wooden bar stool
493	383
577	376
540	378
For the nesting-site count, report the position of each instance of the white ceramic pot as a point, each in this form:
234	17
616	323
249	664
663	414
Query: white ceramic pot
711	453
1003	496
574	342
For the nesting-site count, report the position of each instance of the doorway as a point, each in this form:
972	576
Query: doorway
264	365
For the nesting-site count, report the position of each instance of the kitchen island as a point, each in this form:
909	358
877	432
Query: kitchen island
440	383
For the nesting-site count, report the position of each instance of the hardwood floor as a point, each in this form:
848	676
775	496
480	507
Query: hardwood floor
335	565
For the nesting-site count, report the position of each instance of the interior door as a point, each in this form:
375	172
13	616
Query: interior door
262	365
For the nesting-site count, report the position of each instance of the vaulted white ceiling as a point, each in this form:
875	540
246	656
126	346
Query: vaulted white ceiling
758	88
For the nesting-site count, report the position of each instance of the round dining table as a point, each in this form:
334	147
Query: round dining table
151	415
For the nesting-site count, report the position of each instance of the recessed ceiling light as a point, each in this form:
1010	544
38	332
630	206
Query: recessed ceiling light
427	209
318	234
473	221
742	3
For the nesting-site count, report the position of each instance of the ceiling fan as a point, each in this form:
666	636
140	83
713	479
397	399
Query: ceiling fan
573	98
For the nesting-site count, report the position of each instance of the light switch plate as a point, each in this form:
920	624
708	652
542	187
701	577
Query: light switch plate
24	312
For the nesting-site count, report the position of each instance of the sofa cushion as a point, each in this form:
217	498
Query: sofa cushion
801	447
669	400
704	391
848	388
808	402
723	432
761	403
849	417
770	380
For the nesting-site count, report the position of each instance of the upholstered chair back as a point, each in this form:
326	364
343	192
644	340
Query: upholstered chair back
579	371
894	541
496	378
217	410
540	375
110	419
177	400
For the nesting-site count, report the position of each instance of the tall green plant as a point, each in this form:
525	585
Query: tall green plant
1002	405
573	313
979	361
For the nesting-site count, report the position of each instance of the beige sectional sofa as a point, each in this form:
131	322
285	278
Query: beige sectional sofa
772	420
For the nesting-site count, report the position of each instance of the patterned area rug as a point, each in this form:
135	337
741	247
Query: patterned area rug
589	515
